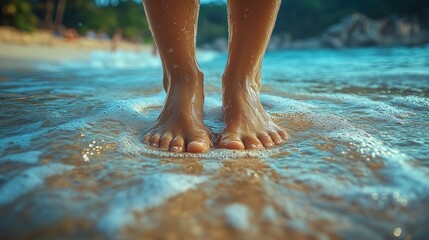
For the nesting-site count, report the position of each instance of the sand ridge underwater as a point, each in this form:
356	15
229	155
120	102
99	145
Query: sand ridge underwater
356	166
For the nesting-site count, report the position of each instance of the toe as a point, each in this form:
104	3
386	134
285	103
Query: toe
266	140
154	140
177	145
230	141
275	137
253	143
197	146
146	138
198	143
283	134
165	141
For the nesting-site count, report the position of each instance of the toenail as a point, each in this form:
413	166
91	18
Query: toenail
154	145
254	146
175	149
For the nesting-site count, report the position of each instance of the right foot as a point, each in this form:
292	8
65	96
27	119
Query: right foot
180	127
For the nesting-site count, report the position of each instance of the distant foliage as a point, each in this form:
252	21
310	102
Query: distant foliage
127	17
212	23
300	18
18	13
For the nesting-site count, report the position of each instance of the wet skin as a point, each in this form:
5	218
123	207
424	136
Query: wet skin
180	126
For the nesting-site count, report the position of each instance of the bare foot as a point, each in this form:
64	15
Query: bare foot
180	125
247	126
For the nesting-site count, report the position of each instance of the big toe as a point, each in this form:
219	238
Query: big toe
197	146
231	142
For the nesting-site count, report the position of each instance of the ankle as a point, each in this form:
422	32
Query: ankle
184	74
240	90
240	84
191	81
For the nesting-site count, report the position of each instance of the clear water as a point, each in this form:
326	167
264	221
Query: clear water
356	165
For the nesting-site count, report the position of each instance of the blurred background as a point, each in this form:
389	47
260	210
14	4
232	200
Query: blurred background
301	24
80	84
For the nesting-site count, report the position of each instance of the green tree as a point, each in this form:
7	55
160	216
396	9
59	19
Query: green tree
18	13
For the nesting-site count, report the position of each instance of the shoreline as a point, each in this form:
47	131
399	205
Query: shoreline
18	47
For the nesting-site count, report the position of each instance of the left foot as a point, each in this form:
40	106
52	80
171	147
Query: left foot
247	126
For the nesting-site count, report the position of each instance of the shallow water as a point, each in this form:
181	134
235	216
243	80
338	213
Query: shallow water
356	165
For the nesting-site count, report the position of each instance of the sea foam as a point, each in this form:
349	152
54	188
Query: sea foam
150	191
28	180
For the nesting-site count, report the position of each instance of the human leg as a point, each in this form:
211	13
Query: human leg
179	126
247	126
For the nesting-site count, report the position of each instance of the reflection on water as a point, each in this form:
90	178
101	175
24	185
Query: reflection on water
356	166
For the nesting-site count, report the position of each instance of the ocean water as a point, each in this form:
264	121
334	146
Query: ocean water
356	166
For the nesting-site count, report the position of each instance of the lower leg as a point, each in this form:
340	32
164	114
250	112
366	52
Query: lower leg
247	126
180	126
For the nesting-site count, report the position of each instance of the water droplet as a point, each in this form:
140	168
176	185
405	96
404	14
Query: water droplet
395	195
375	196
175	66
170	50
397	231
403	202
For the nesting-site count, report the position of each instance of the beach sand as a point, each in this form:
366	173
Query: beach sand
17	48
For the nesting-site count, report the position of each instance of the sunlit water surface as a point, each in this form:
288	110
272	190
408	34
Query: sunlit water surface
356	165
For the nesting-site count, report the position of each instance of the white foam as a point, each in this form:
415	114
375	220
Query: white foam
106	60
412	101
398	169
275	104
237	216
150	191
29	180
134	115
367	107
402	176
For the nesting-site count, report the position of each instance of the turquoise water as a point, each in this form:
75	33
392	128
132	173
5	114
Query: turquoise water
356	165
